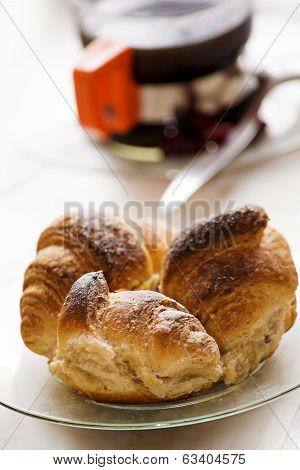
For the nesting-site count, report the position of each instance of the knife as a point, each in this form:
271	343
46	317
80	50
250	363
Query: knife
206	165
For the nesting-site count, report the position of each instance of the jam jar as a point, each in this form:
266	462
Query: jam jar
177	71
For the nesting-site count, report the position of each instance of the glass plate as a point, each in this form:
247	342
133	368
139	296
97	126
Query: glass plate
27	386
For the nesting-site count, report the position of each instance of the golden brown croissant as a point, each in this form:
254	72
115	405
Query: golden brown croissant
73	246
131	346
236	274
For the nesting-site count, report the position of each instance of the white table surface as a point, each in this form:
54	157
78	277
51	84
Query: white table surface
34	187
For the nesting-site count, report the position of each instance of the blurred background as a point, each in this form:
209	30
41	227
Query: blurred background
47	159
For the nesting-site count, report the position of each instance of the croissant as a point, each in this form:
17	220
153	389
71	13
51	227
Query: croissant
131	346
73	246
236	274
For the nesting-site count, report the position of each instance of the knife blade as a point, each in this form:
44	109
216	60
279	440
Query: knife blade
207	165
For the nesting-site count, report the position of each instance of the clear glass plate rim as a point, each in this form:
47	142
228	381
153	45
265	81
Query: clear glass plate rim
155	424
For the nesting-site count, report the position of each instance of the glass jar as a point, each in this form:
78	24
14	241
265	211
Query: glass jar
193	44
174	40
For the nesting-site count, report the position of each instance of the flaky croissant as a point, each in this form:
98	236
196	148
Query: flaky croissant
236	274
131	346
73	246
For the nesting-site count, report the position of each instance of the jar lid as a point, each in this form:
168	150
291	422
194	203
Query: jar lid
151	24
173	40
